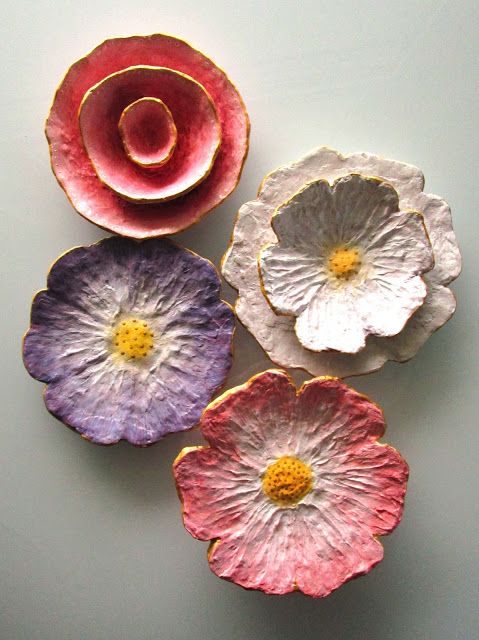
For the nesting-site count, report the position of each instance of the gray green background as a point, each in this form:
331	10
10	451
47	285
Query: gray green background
92	544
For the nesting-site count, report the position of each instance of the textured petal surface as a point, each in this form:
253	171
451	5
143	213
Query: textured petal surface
290	278
331	321
362	206
75	172
400	245
329	536
215	488
385	304
254	417
253	231
68	346
305	222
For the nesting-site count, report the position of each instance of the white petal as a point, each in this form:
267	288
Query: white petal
437	309
401	245
437	217
331	321
290	278
361	205
308	221
387	303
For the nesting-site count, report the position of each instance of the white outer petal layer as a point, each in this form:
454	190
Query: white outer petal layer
253	231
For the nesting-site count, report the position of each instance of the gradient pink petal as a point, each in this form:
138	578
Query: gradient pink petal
367	486
262	555
332	418
329	552
218	492
295	549
251	418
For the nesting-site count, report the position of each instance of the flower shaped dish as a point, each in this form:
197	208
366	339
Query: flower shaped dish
347	264
131	338
147	135
294	488
342	262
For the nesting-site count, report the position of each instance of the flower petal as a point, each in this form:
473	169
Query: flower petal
401	245
254	419
362	204
218	492
386	302
438	220
261	555
366	485
331	418
306	222
62	339
290	277
437	309
399	253
331	550
283	550
83	277
331	321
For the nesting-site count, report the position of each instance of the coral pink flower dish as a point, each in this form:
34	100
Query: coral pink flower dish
294	488
147	135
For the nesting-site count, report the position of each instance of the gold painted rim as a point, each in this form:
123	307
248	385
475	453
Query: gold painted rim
156	234
45	385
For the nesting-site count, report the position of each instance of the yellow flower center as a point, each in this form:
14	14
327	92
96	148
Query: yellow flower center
287	481
133	338
344	262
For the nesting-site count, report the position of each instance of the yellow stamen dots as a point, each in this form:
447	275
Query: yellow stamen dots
287	481
344	262
133	339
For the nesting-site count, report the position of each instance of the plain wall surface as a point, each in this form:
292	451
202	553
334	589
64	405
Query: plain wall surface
92	543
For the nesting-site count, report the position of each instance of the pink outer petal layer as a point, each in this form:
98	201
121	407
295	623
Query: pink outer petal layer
328	538
75	173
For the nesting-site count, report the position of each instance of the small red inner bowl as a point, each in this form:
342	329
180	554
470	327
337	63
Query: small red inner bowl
148	132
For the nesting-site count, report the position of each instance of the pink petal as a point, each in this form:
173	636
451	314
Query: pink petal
330	551
284	550
367	486
242	422
262	554
218	492
333	417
